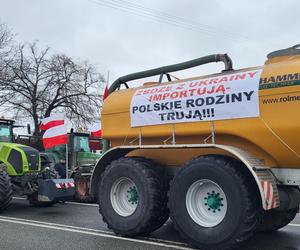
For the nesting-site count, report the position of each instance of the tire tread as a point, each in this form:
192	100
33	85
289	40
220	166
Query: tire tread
6	190
253	210
158	211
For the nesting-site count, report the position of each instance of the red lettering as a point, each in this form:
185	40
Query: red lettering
180	86
240	77
201	91
192	91
203	83
156	98
165	95
192	84
231	78
215	81
183	94
223	79
162	89
211	91
153	91
220	88
174	95
252	74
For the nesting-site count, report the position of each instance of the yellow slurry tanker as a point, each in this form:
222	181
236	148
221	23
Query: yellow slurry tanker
218	154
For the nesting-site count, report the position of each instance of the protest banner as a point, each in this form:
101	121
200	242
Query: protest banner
229	96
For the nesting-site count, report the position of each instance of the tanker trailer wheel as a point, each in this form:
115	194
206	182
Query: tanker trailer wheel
82	190
213	204
274	219
6	190
133	196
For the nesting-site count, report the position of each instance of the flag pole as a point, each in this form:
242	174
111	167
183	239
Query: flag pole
67	160
107	79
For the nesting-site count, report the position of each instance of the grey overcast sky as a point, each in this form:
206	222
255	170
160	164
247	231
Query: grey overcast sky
128	36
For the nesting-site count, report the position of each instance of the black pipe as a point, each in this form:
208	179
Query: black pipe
171	68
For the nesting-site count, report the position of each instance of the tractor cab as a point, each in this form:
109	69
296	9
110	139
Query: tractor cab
6	130
79	152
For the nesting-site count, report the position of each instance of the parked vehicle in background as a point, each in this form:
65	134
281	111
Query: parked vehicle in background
83	153
21	173
81	162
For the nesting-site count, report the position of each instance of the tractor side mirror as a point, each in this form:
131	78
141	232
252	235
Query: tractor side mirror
28	129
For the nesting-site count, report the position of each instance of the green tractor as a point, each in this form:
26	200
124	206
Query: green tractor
21	173
81	162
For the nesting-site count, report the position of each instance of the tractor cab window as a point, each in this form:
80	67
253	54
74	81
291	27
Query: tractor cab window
5	133
81	144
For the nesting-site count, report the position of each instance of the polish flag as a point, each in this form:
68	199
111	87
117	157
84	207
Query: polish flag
52	121
105	93
96	130
55	136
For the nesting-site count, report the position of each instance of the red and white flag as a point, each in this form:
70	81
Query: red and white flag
55	136
52	121
105	93
96	130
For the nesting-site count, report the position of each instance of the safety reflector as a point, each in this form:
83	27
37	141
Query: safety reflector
65	185
269	194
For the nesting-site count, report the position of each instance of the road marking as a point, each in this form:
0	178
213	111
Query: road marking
294	225
19	198
81	204
55	224
95	232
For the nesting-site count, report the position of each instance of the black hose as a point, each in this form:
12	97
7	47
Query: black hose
171	68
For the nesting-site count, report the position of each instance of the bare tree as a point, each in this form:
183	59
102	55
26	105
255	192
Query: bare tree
36	84
6	45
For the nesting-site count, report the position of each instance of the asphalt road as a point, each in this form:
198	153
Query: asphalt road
76	226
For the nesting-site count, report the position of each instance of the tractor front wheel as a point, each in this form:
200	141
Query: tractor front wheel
6	190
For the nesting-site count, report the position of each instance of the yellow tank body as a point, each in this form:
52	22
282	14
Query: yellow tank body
273	137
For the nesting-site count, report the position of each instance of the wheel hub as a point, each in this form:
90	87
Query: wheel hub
133	195
213	201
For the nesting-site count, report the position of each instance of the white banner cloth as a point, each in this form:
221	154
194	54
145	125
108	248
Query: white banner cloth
229	96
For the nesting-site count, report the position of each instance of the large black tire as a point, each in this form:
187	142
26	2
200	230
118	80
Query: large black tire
165	182
151	211
82	191
6	190
239	202
274	220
